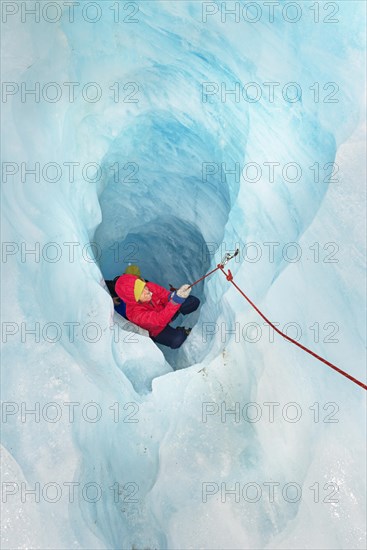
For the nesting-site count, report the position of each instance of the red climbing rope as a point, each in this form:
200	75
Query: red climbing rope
229	278
205	276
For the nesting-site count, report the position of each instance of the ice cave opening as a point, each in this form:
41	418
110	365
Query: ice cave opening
167	220
154	454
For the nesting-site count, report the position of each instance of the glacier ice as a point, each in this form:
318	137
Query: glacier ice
128	446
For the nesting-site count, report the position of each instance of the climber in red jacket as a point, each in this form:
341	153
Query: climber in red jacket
152	307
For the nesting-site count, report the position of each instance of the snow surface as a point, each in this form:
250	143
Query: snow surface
150	440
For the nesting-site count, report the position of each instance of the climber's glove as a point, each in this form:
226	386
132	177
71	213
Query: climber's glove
184	291
180	295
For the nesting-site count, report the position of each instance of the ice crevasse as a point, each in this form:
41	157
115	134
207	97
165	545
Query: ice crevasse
238	439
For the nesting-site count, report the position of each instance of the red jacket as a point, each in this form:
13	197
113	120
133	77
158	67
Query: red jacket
153	316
